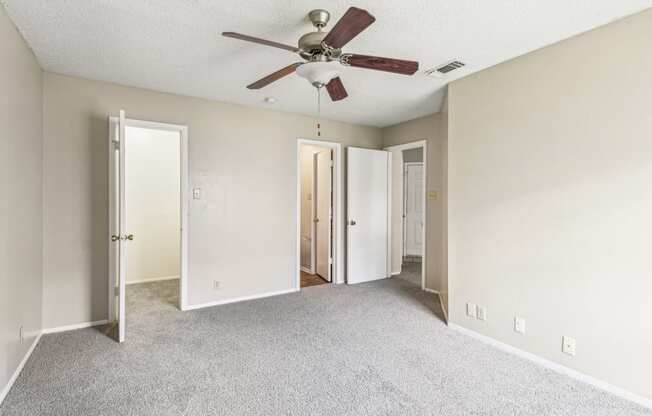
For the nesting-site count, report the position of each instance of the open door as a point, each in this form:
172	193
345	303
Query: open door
324	214
117	224
368	210
414	189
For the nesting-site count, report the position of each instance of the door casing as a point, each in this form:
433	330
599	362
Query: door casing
338	211
415	145
184	187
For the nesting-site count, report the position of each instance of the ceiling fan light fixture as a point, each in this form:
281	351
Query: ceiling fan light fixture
319	73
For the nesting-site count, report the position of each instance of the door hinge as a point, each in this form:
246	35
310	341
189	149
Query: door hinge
330	260
332	164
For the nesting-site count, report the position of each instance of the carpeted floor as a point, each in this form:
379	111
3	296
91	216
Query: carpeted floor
371	349
411	272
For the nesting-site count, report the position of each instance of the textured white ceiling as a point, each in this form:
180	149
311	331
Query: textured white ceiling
175	45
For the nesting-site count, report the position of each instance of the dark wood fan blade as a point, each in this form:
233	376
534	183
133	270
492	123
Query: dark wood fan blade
260	41
263	82
397	66
336	89
349	26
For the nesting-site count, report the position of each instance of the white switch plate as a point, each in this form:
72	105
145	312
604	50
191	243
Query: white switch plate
519	325
216	285
568	345
196	193
481	312
471	310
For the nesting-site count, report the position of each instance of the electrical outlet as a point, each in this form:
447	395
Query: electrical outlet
519	325
471	310
568	345
216	285
481	313
20	334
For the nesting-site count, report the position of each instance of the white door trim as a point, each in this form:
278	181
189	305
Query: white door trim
338	217
415	145
185	181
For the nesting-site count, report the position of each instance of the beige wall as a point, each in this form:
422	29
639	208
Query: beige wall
153	203
429	129
21	200
550	201
243	231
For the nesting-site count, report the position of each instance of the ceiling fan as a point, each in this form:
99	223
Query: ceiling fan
322	52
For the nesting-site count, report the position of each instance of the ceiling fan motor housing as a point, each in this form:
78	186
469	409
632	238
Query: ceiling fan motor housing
312	48
311	44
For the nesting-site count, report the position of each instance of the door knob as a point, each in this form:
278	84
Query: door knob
352	222
114	238
316	219
130	237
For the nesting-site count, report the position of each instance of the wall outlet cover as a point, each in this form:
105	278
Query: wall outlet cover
471	310
481	312
216	284
568	345
519	325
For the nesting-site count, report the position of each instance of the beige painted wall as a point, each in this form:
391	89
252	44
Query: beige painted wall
21	200
243	231
550	201
153	171
429	129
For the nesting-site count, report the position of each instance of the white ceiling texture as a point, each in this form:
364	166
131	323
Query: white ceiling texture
176	46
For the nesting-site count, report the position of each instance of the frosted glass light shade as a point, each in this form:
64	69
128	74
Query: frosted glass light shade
320	73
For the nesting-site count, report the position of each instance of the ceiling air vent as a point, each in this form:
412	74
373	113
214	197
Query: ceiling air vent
442	70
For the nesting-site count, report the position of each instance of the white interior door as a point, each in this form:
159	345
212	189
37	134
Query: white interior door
368	191
323	213
414	192
117	224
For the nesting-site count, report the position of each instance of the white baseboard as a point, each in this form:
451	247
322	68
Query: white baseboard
395	273
14	376
436	292
153	279
240	299
602	385
306	270
75	326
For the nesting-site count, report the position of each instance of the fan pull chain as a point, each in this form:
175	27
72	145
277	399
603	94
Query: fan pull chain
318	112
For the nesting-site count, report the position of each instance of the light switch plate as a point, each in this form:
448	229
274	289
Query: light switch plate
519	325
471	310
196	193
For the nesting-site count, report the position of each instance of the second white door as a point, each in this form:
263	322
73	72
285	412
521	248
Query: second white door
368	214
414	192
323	213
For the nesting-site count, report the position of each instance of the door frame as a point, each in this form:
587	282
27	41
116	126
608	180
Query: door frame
183	197
415	145
338	215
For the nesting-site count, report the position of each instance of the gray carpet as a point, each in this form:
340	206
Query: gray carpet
371	349
411	272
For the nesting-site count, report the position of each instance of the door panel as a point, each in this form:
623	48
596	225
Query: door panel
414	212
368	214
117	225
324	217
